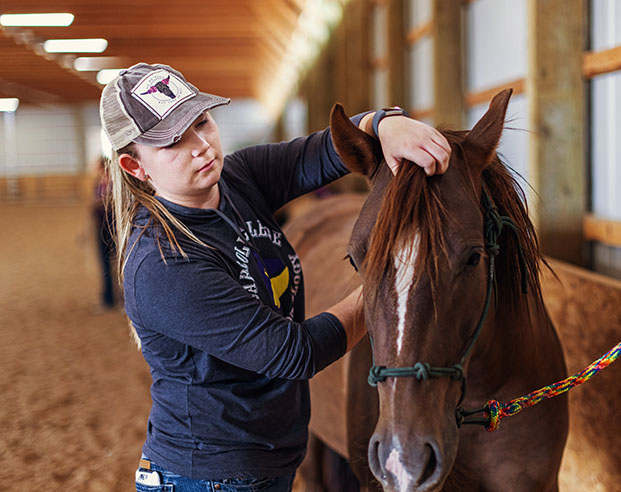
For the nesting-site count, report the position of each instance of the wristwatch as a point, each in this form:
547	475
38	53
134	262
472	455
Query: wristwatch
384	113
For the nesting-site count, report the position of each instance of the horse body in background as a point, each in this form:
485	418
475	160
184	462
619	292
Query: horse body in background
419	247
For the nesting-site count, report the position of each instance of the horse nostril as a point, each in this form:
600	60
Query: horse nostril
431	466
375	461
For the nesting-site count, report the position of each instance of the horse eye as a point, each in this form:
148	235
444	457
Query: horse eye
474	259
351	261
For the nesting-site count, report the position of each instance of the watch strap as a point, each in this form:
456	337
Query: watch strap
384	113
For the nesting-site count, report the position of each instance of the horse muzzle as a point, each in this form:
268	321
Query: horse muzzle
416	465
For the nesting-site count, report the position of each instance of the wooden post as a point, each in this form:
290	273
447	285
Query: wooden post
356	20
448	74
555	89
397	49
341	65
320	84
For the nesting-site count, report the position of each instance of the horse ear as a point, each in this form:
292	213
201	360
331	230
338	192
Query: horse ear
482	140
360	152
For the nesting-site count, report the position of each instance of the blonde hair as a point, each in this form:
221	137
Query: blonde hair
127	194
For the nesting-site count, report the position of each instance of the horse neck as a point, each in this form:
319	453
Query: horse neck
511	340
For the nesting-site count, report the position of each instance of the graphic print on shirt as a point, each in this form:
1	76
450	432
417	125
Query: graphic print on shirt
242	258
296	279
257	229
276	278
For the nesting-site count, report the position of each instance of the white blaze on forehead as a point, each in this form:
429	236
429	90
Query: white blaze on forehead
394	466
404	260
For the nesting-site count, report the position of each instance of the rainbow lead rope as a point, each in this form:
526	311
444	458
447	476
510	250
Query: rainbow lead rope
495	412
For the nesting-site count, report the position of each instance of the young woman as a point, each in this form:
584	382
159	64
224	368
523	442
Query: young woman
214	291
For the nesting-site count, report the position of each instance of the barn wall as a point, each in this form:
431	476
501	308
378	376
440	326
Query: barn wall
605	120
496	53
563	119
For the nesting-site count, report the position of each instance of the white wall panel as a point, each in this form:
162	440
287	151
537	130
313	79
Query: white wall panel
514	142
606	145
379	52
379	39
605	24
421	74
47	140
419	12
496	40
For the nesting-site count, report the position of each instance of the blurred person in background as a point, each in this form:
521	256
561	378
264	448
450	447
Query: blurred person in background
104	234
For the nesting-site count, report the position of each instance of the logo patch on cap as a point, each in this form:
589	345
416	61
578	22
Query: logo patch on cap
161	92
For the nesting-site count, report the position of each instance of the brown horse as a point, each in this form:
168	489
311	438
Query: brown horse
440	311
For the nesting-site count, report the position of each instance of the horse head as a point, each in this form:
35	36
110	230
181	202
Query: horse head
420	248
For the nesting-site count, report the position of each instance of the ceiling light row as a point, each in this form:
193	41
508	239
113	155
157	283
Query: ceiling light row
95	45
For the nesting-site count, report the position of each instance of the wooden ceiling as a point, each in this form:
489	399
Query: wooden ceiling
227	47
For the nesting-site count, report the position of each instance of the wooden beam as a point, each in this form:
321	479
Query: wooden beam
605	231
601	62
555	88
485	96
356	20
396	48
448	74
415	34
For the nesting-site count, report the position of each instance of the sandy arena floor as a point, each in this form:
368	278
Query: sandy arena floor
75	392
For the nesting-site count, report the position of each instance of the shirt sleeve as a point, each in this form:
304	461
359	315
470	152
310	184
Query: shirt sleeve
286	170
199	304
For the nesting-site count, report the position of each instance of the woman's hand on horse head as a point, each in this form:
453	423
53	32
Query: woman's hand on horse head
404	138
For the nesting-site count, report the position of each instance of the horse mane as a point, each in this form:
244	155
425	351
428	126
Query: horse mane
510	200
412	207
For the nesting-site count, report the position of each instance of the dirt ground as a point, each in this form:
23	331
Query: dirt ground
75	391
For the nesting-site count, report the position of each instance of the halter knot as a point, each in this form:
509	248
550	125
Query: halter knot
458	373
375	375
422	370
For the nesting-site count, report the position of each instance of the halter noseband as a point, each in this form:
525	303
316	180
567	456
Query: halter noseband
422	371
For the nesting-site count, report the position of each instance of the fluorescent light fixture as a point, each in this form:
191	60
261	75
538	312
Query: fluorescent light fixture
8	104
96	45
94	63
22	20
108	75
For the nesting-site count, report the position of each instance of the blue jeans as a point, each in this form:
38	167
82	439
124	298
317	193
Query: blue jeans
147	481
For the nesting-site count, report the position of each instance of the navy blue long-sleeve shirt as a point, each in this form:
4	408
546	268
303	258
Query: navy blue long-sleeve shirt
223	330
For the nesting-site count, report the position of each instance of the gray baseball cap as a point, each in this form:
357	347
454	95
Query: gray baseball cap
152	105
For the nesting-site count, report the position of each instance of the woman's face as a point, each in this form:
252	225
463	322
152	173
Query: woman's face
187	171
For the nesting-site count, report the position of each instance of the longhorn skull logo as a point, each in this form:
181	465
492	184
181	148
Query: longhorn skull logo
161	87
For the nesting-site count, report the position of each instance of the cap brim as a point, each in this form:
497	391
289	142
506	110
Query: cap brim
171	128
